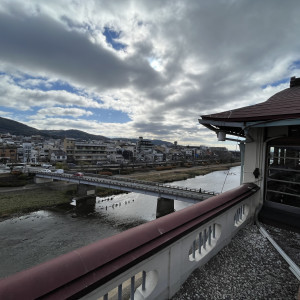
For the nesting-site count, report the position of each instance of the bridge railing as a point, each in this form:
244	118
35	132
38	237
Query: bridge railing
118	181
149	261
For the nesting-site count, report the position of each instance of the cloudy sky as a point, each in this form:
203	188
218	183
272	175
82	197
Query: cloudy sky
142	68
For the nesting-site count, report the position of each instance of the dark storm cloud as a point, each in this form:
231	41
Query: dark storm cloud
41	44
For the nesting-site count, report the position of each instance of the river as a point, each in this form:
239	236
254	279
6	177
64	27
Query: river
39	236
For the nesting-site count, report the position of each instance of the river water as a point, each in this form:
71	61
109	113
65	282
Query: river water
39	236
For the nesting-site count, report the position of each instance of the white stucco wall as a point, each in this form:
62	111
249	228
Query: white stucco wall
255	158
255	153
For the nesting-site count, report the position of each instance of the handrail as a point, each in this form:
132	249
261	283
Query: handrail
121	184
117	182
80	271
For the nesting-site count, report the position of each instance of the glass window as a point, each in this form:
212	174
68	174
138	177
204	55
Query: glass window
283	174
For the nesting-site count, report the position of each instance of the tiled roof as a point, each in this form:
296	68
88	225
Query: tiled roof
283	105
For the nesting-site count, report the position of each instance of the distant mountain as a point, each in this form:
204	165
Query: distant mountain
154	142
17	128
160	142
74	134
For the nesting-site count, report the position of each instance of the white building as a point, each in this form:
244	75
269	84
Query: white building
270	152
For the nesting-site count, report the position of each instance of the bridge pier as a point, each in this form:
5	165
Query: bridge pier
86	204
164	207
85	190
42	180
86	199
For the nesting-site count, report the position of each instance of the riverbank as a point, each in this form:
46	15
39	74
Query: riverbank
178	174
21	200
33	197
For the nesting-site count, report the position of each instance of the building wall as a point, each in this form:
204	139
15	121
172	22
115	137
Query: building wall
255	158
8	152
255	153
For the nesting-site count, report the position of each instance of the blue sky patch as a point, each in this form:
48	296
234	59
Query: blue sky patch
99	115
43	84
295	65
111	37
108	116
276	83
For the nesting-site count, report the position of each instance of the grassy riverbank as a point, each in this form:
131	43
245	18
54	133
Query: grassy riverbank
17	201
178	174
20	200
24	201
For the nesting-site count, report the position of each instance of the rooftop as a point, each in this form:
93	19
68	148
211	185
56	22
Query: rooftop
248	268
283	105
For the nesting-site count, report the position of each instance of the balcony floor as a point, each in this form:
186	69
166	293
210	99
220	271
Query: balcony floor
248	268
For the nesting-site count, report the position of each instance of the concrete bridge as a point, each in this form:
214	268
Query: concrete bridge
129	185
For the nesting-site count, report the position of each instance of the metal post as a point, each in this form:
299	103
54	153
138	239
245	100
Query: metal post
105	297
132	288
120	292
242	150
214	231
209	235
144	281
204	242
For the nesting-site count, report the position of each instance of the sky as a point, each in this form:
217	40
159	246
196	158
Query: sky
143	68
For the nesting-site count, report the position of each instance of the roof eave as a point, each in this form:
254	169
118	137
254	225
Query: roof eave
237	128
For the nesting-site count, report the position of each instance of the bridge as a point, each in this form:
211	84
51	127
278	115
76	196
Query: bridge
129	185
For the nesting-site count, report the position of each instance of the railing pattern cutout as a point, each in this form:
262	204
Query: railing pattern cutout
241	215
134	287
205	241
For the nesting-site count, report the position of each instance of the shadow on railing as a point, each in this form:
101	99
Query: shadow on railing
149	261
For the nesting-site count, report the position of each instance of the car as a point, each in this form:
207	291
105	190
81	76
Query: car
46	166
71	165
46	170
78	174
59	171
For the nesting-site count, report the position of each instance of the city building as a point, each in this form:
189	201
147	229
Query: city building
90	152
8	153
58	156
69	146
143	145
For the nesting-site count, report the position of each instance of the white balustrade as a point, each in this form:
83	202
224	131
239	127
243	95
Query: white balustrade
161	275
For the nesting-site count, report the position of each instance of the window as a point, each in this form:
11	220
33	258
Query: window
283	172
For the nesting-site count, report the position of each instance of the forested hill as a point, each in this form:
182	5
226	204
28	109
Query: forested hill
17	128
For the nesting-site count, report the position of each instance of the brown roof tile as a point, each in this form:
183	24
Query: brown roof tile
283	105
